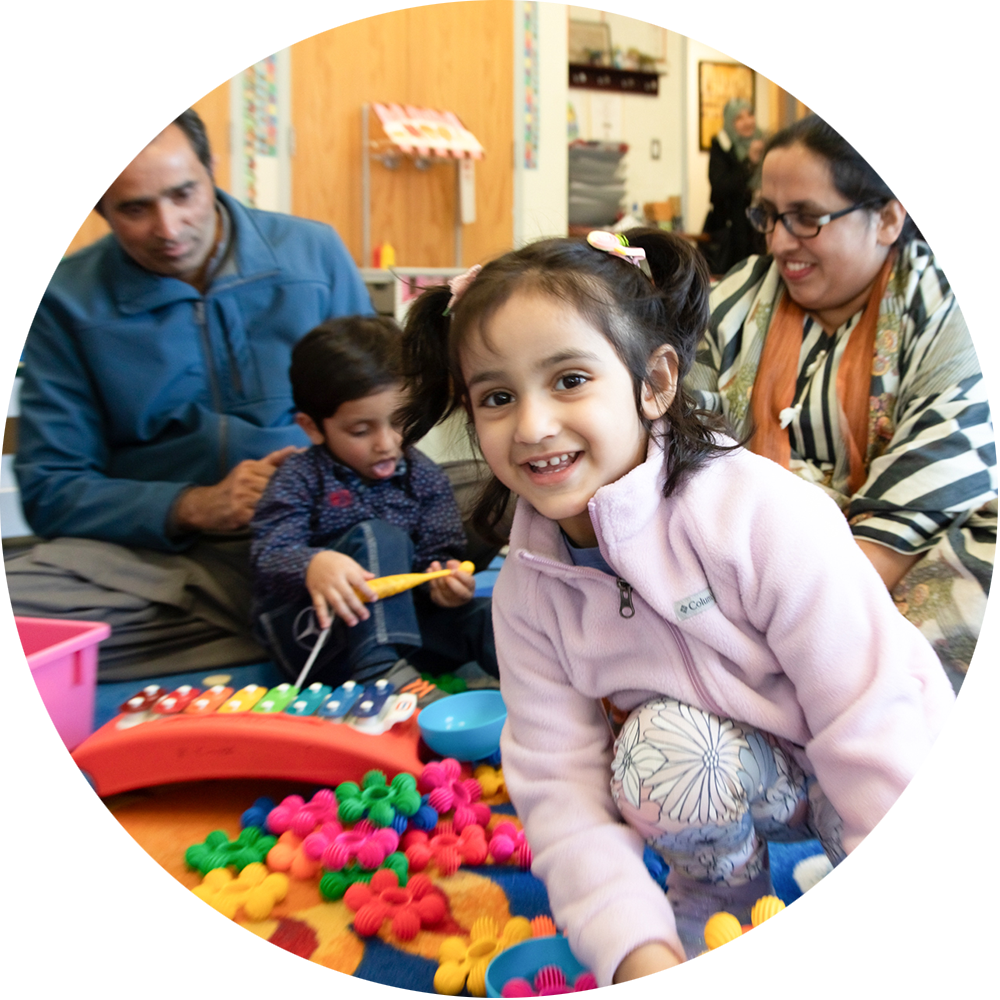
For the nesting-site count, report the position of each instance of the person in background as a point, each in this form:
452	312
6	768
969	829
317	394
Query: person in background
733	173
845	354
354	506
155	408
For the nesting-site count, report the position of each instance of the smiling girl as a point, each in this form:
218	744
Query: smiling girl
762	683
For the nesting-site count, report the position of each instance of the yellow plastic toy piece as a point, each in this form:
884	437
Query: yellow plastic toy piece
464	962
720	929
765	908
490	780
386	586
255	890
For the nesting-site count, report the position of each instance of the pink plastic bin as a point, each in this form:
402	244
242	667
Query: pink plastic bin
63	659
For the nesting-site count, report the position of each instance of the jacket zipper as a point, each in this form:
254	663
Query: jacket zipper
199	311
625	606
627	610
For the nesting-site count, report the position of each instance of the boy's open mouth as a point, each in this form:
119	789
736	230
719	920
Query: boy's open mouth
554	464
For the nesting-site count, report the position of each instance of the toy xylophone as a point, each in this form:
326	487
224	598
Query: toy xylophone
310	735
314	735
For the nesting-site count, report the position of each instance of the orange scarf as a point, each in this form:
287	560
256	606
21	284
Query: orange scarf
777	372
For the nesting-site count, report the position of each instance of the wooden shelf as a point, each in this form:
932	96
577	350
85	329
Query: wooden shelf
623	81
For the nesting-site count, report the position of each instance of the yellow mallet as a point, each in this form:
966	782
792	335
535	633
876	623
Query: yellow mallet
386	586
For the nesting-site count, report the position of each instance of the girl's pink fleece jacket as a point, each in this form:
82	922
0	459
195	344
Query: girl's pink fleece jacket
752	601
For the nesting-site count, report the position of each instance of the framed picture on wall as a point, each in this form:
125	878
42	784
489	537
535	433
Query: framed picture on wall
718	83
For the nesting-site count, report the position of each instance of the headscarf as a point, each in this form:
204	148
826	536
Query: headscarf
741	146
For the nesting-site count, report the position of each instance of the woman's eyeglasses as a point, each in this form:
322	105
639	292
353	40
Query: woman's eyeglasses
802	225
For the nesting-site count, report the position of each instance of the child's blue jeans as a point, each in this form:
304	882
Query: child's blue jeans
434	639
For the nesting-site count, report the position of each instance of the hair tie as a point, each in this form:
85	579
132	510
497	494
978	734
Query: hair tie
459	285
617	244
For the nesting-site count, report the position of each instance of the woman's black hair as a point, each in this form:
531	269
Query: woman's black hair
345	358
635	314
853	176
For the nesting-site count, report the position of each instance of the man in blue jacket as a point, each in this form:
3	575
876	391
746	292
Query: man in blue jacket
156	405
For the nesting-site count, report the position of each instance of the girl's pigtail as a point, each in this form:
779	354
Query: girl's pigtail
426	365
681	279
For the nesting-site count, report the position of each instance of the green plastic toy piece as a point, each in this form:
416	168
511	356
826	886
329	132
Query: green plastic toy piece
333	885
376	799
218	851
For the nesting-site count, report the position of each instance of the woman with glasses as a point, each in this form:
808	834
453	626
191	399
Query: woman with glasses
843	355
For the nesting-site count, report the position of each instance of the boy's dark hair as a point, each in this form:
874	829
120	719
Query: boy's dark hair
853	176
636	315
343	359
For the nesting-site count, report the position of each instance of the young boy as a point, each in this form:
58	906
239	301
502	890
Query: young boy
353	507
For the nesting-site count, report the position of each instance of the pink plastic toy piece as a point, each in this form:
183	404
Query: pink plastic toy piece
315	843
517	988
420	904
295	814
367	844
448	791
448	850
507	842
549	981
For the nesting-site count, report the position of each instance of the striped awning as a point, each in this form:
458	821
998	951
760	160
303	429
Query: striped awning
426	132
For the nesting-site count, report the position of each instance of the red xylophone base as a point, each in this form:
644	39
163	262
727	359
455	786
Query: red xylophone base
242	745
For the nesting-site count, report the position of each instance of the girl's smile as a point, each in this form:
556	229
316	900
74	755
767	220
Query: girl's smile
554	408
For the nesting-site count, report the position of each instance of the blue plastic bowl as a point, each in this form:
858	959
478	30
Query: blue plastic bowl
525	959
464	726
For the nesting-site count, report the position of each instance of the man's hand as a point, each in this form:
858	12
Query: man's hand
330	580
229	504
648	958
451	591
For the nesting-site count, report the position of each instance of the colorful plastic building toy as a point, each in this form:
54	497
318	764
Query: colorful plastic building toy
377	800
723	927
448	850
509	842
491	781
277	699
463	963
367	845
448	791
407	909
425	818
295	814
333	885
218	851
765	908
549	981
255	890
256	815
288	855
543	926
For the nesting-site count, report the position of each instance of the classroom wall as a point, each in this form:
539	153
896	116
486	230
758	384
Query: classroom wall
643	118
457	56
